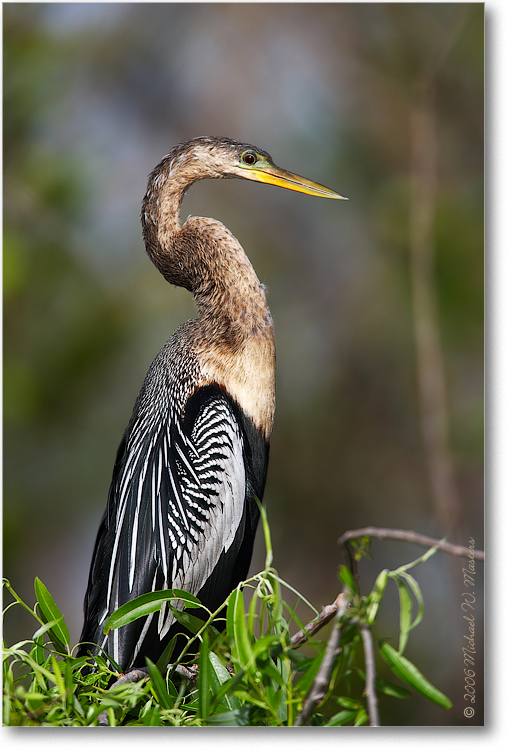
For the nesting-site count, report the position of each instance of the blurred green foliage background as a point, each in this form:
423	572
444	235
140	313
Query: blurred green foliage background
94	96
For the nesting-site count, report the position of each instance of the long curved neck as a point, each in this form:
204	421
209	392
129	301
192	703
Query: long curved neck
205	258
233	336
160	219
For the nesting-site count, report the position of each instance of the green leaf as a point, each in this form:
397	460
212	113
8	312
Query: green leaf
300	596
59	632
237	629
304	683
219	676
203	678
193	624
388	688
407	584
253	612
37	650
376	595
240	717
44	629
152	719
349	703
58	678
266	532
361	718
347	578
410	674
145	605
69	682
341	718
230	690
40	671
418	596
158	685
406	609
34	697
418	561
78	707
395	691
163	661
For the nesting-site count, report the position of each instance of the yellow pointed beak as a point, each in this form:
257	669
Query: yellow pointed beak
273	175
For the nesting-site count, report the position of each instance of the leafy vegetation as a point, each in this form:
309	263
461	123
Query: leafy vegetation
250	673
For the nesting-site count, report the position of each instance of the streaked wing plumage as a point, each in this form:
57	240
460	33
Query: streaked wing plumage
180	494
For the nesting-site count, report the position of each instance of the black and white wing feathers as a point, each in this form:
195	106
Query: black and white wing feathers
181	514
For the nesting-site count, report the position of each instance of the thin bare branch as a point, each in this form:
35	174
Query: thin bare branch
370	676
326	614
320	685
411	536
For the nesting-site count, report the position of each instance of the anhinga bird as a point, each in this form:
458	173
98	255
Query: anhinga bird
181	510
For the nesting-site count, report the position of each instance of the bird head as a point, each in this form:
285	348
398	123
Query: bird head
224	157
257	165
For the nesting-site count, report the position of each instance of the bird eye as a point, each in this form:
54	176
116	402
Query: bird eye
249	157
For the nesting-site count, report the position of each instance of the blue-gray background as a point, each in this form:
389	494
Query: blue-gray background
94	96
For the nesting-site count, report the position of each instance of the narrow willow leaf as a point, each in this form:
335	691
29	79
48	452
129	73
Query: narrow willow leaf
228	689
265	644
347	578
236	628
58	678
410	674
203	678
418	561
266	532
297	593
388	688
376	595
194	624
250	699
348	703
78	707
59	633
418	596
282	710
166	655
253	617
277	621
405	614
219	676
37	651
395	691
304	683
109	700
341	718
361	718
240	717
145	605
158	685
44	628
153	719
34	697
70	685
40	672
